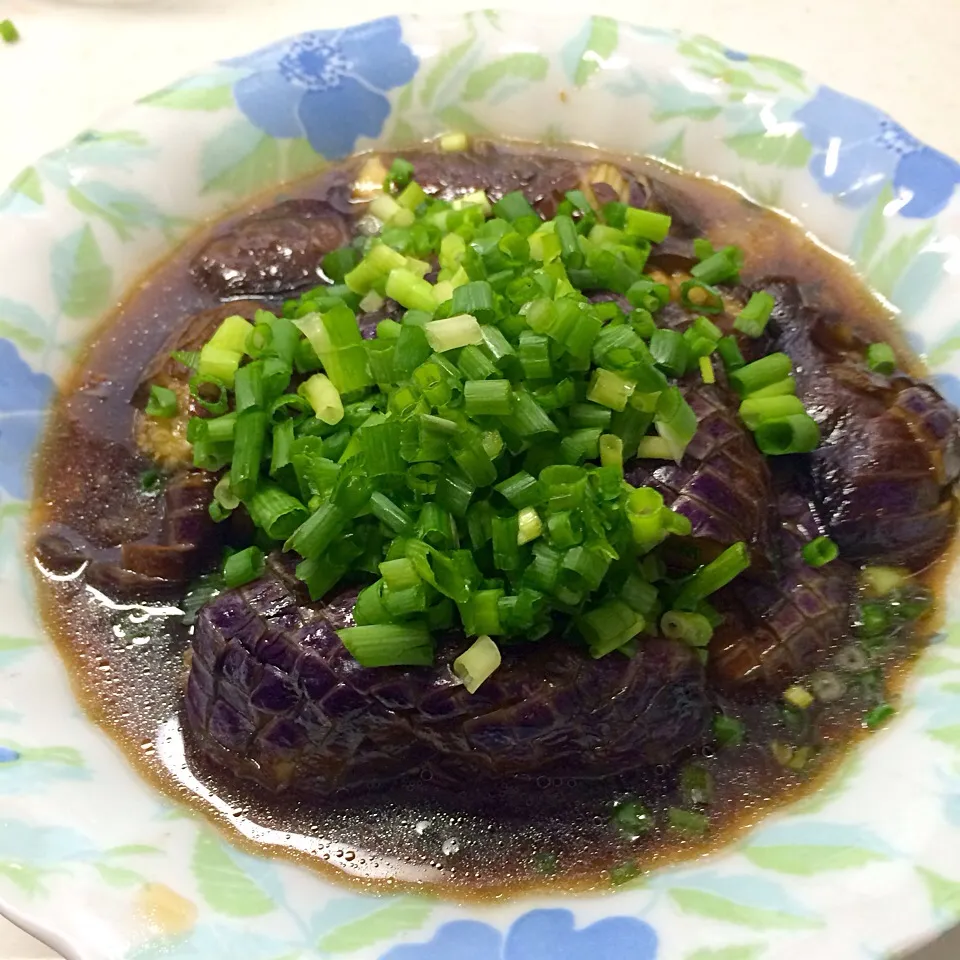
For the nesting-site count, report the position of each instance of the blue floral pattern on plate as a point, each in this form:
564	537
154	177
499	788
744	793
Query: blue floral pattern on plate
326	85
23	398
857	148
537	935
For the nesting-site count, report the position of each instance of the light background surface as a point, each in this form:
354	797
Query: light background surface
80	59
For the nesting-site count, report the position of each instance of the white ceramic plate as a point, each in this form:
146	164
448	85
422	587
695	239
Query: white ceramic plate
95	861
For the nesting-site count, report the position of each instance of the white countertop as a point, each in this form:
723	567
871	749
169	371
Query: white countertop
78	60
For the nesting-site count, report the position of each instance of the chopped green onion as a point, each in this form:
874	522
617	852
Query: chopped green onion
714	575
675	421
521	490
881	358
730	354
728	731
388	513
219	363
529	525
696	785
389	645
647	225
782	388
720	267
633	818
794	434
162	402
688	822
513	206
670	352
8	32
243	567
477	663
611	452
487	397
610	389
878	715
700	296
819	552
249	442
768	370
610	626
323	397
453	332
706	370
274	511
752	319
880	581
756	410
692	628
798	697
624	873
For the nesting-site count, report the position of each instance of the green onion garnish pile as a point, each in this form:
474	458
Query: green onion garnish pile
470	457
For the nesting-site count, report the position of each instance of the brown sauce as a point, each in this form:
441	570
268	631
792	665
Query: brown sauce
126	660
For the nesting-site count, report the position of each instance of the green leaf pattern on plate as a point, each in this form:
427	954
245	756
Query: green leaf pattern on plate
401	916
82	279
223	884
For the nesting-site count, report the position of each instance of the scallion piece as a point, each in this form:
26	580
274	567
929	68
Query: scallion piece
487	398
819	552
611	452
322	395
706	370
756	410
388	513
692	628
521	490
250	437
161	403
529	525
729	731
752	319
512	206
675	421
714	575
274	511
389	645
762	373
700	296
219	363
452	332
243	567
8	32
793	434
878	715
609	389
730	354
610	626
646	224
720	267
670	352
477	663
881	358
688	822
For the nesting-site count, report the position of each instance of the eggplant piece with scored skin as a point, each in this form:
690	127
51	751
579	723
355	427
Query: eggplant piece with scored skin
274	696
722	484
889	459
783	623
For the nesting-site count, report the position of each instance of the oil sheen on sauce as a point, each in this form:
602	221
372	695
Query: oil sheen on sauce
126	660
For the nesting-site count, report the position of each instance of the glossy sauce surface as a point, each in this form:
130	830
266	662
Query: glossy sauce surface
127	659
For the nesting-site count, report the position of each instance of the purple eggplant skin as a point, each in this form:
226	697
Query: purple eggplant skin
273	252
273	696
782	623
722	484
889	458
